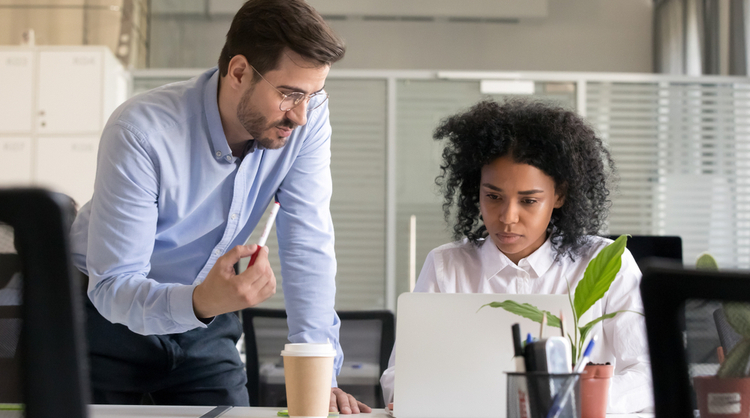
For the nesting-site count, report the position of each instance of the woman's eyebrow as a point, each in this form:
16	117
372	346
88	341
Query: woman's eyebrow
524	192
492	187
532	191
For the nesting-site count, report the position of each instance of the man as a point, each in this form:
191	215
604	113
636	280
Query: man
184	174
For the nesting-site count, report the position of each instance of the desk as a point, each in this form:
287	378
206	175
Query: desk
148	411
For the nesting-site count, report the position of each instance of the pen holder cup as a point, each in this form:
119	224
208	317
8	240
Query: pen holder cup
532	395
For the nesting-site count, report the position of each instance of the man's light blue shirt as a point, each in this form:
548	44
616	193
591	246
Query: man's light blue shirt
170	199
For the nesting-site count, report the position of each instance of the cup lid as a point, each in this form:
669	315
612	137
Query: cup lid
309	350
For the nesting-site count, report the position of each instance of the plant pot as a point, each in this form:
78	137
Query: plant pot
595	390
722	398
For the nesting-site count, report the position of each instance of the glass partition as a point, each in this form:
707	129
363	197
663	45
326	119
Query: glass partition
681	146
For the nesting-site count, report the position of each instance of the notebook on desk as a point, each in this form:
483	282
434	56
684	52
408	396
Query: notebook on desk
451	358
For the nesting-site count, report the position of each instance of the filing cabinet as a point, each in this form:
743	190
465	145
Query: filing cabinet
54	105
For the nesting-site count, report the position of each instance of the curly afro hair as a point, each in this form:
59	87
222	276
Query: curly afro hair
554	140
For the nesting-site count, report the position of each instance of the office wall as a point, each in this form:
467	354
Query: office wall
577	35
120	25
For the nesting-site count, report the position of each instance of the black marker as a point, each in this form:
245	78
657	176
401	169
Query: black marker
518	348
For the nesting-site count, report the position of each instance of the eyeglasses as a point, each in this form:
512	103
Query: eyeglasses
291	100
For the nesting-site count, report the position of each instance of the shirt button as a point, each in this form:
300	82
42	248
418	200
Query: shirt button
218	153
234	216
217	252
228	157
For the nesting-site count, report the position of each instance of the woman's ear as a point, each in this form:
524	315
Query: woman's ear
560	200
560	196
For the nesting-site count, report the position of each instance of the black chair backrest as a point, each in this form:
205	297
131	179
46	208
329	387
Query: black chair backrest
10	328
10	264
653	246
349	338
54	370
252	362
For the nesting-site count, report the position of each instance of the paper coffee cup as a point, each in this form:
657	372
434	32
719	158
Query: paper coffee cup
308	370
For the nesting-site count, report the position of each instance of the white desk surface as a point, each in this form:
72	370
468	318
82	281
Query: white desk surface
149	411
124	411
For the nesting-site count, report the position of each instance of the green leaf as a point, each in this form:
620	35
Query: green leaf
573	349
738	316
735	363
572	308
573	345
599	275
586	328
584	334
527	311
706	261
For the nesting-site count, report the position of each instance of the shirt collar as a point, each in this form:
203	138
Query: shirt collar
250	147
219	145
494	261
541	260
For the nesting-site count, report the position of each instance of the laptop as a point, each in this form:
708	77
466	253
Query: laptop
451	356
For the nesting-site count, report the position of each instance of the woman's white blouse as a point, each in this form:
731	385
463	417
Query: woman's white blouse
462	267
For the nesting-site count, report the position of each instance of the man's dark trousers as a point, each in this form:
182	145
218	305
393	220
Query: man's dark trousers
198	367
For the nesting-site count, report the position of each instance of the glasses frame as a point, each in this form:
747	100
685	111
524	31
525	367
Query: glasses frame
302	97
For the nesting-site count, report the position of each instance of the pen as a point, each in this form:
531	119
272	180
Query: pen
518	355
517	348
562	396
527	353
544	322
266	231
562	331
562	325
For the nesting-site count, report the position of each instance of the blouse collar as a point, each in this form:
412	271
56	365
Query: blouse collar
536	264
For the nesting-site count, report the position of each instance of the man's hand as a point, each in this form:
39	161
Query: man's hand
224	291
345	403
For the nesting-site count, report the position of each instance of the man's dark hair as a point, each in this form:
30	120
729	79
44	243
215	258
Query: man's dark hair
555	140
262	29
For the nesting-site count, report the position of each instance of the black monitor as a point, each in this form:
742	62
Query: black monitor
53	366
667	292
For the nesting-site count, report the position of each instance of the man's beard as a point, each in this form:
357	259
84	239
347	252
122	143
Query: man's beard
255	123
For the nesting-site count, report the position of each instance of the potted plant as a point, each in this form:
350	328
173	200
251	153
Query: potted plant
597	279
727	394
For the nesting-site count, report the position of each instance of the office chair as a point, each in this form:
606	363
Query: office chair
367	338
649	246
53	363
10	328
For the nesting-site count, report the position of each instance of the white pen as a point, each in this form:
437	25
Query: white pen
266	231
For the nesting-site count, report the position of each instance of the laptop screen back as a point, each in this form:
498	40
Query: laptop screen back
451	355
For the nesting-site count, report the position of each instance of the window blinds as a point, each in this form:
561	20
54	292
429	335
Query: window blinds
681	145
358	162
683	154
